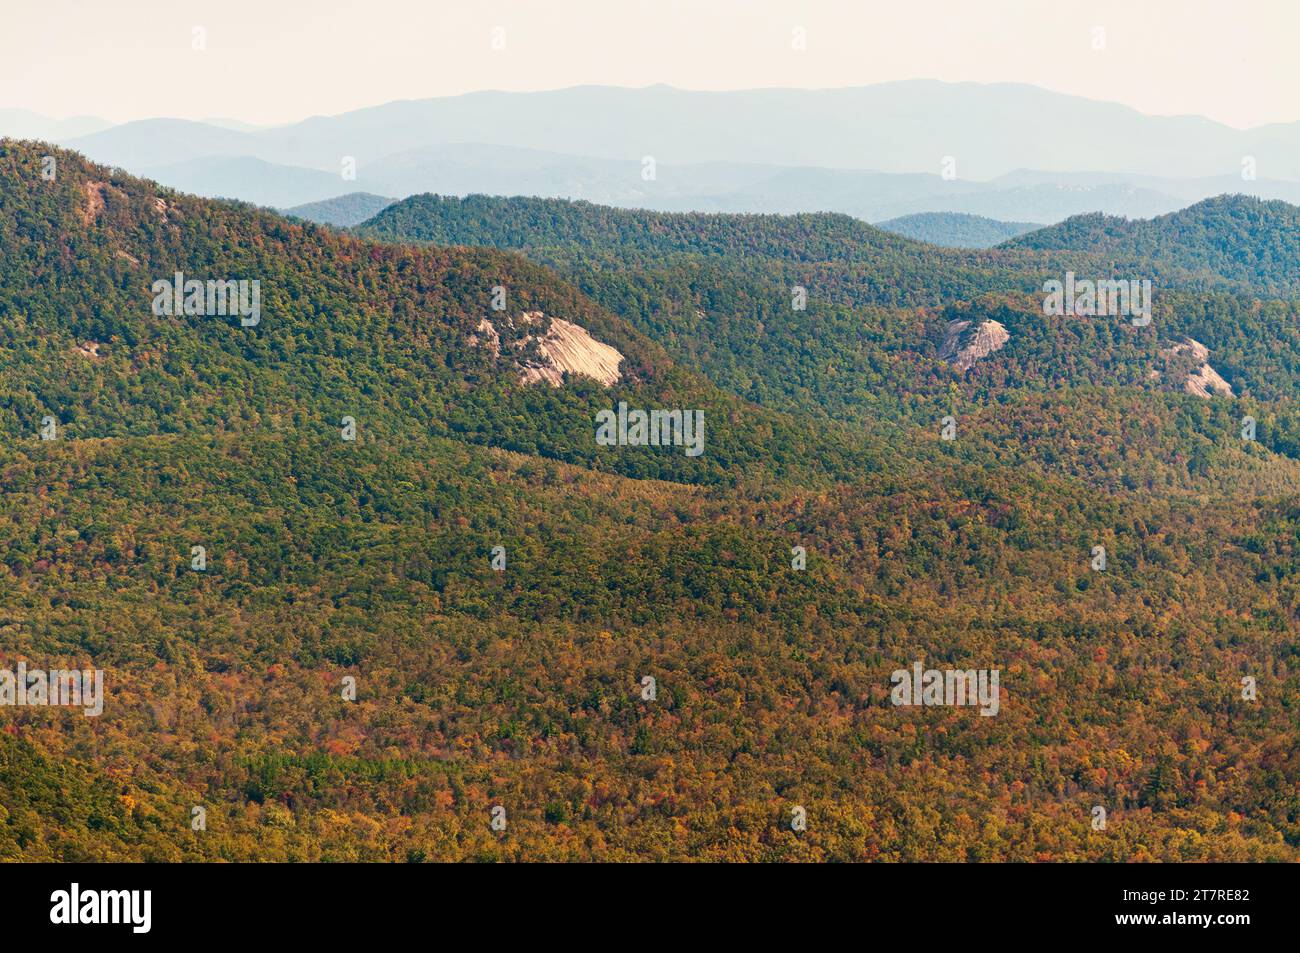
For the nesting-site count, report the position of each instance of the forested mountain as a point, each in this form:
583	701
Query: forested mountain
522	686
1237	237
1257	235
955	229
851	261
347	328
344	211
717	292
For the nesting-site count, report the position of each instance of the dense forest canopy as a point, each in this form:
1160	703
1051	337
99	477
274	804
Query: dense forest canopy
956	229
1237	238
522	686
716	291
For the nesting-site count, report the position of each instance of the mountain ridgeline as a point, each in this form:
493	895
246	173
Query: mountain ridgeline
1235	237
861	341
872	152
344	211
956	230
1233	243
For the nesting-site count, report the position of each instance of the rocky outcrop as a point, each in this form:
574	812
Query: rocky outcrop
1198	351
565	348
1202	380
489	334
966	342
1206	382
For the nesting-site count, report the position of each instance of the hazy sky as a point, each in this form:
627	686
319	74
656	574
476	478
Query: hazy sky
279	60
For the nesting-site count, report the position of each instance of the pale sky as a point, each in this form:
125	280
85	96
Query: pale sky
272	61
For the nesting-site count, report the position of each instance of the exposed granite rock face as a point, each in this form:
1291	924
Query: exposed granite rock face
564	348
567	347
1199	352
1202	380
964	342
1206	382
489	334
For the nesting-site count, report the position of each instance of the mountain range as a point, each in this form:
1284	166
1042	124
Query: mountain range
907	148
891	127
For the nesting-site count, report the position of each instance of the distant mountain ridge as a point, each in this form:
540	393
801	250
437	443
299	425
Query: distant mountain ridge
248	180
1236	237
475	168
908	126
343	211
856	151
956	229
25	124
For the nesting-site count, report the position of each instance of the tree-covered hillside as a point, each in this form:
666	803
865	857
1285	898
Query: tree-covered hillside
379	333
343	211
1239	238
473	607
956	229
863	345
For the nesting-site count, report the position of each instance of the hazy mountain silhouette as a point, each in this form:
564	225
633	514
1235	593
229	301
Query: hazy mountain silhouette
874	152
25	124
988	129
